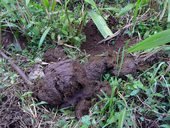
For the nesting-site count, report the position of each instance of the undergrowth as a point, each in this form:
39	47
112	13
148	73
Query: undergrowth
41	22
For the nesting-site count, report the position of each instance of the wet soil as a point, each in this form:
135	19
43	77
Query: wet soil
93	36
69	83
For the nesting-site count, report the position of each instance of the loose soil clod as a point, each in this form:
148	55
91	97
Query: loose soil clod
66	83
55	54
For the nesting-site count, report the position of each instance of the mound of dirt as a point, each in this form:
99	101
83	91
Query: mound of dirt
67	83
62	81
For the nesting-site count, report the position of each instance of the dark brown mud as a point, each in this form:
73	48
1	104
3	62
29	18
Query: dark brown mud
93	36
69	83
55	54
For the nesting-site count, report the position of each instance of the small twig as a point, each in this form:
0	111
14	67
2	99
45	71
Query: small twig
16	68
144	103
142	18
110	37
115	34
70	46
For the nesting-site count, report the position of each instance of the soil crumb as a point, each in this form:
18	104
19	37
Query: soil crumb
82	108
55	54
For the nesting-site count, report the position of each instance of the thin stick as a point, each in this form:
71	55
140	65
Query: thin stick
115	34
142	18
16	68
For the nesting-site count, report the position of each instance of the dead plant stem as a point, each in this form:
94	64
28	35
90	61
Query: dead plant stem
16	68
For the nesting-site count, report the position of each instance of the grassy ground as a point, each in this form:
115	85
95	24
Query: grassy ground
142	100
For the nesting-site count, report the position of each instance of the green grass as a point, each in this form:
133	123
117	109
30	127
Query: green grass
33	20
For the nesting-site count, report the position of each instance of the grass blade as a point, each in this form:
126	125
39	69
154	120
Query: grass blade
126	9
27	2
54	2
121	118
43	37
153	41
138	3
101	24
92	3
168	13
46	4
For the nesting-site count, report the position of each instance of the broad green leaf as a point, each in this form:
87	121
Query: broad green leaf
126	9
153	41
101	24
121	118
43	37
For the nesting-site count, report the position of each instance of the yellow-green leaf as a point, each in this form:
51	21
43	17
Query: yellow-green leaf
101	24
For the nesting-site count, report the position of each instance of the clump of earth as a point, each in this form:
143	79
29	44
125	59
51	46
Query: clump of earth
69	83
